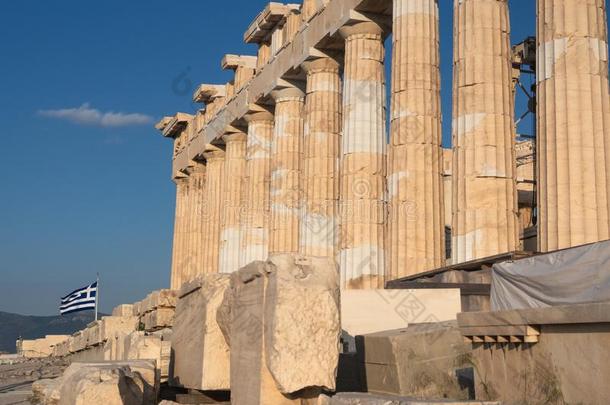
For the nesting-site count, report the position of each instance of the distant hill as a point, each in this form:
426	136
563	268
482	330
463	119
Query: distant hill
33	327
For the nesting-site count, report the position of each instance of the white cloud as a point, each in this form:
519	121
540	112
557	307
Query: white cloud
86	115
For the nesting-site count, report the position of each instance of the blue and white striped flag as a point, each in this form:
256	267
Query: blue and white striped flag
79	300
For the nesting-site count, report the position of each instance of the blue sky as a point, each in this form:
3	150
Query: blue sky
85	177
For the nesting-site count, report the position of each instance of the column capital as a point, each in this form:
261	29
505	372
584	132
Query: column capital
257	112
235	137
195	167
366	24
319	61
285	90
213	153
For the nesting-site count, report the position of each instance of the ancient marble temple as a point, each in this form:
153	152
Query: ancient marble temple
302	152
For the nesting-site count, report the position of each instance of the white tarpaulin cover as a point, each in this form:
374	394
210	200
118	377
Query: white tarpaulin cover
572	276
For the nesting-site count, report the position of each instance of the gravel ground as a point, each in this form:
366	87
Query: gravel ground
16	379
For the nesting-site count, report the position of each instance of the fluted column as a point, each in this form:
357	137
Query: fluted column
198	200
484	185
179	225
215	158
285	188
573	140
321	153
254	224
235	171
415	194
363	160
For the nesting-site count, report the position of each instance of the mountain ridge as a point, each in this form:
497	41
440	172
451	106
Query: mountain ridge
13	326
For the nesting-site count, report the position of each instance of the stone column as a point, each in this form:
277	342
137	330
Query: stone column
235	171
285	189
215	159
197	204
186	257
573	140
321	151
254	224
415	194
178	245
484	186
363	160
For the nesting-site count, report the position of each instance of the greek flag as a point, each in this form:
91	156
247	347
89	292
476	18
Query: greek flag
79	300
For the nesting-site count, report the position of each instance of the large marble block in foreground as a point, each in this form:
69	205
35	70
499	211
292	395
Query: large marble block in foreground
302	325
282	322
133	382
200	352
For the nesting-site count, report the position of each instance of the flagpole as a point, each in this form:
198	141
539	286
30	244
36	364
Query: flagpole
97	294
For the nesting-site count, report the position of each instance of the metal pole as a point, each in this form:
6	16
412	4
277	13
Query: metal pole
97	295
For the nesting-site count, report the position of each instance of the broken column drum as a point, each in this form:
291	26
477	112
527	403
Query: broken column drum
573	117
321	152
254	224
484	186
285	171
363	160
415	193
235	170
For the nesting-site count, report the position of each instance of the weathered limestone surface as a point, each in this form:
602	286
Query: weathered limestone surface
111	325
241	318
301	320
212	211
484	189
319	222
370	311
159	299
266	328
573	116
40	347
46	392
285	170
62	348
201	355
415	192
92	334
567	365
160	318
141	346
125	383
123	310
363	162
420	361
235	171
254	225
